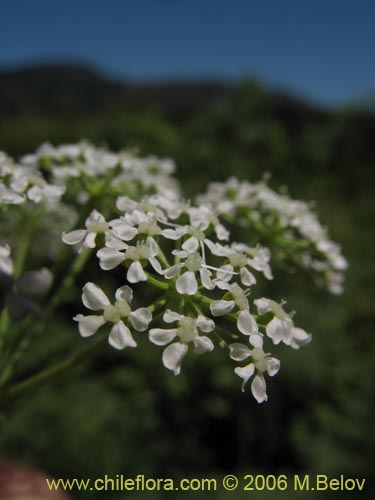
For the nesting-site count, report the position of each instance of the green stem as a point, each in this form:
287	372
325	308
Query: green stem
157	283
18	390
4	324
22	249
163	258
158	304
38	327
76	267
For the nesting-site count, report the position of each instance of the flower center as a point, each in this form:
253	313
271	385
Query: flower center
237	260
148	228
260	360
239	297
197	233
114	313
137	253
187	331
98	227
278	311
193	262
111	314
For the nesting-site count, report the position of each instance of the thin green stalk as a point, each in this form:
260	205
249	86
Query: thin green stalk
4	324
157	283
39	379
22	249
38	327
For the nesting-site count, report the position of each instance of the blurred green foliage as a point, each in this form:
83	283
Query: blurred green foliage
124	413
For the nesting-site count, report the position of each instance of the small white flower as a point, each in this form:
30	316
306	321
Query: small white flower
203	216
115	252
186	283
238	262
86	238
246	323
6	263
261	362
116	314
281	327
187	332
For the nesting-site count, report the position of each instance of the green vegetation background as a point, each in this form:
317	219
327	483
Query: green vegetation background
124	413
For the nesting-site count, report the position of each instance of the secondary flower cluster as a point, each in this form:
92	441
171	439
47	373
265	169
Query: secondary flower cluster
182	252
76	169
290	224
54	185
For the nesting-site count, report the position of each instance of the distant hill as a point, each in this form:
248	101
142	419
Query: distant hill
211	128
73	89
56	89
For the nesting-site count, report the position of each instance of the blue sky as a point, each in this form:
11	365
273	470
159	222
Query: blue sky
324	50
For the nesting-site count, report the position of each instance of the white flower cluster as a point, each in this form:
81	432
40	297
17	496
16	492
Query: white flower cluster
130	212
21	182
77	169
289	223
183	251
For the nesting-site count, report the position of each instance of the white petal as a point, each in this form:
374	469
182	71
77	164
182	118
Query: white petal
120	337
191	245
156	265
171	316
88	325
273	366
258	388
74	237
140	319
206	280
124	293
279	330
112	242
245	373
273	329
172	271
173	234
161	336
153	246
35	194
247	278
216	248
246	323
256	340
239	352
124	231
202	345
225	273
93	297
300	338
109	258
223	285
187	284
221	232
34	282
263	305
173	356
180	253
205	324
94	217
221	307
125	203
89	241
136	273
